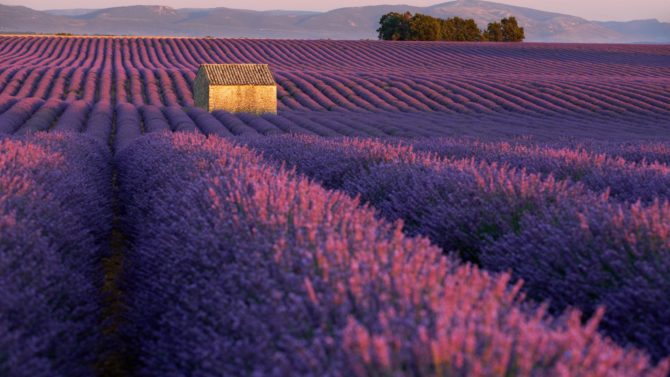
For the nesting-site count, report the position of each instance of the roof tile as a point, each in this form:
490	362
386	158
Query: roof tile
238	74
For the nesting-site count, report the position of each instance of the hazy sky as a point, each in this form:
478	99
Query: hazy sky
590	9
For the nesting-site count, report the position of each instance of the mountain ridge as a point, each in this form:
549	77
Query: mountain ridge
342	23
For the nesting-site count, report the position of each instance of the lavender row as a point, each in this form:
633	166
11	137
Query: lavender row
54	216
656	151
571	246
586	60
347	92
237	267
326	76
30	115
648	152
598	171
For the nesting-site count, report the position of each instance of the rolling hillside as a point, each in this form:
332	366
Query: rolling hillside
332	88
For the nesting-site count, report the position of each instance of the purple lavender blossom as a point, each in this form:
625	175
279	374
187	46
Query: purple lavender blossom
238	267
55	213
572	246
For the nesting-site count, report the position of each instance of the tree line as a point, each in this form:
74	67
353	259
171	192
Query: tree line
420	27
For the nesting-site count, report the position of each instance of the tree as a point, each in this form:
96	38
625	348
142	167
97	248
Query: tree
447	30
395	26
425	28
467	30
459	29
494	32
511	31
420	27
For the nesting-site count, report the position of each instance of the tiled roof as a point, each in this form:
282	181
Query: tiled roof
238	74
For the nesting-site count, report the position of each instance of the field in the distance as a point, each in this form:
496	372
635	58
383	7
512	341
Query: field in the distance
414	209
332	88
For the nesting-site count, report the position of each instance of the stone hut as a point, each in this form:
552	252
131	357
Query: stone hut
236	88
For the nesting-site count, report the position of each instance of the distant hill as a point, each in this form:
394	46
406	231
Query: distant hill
644	30
69	12
343	23
22	19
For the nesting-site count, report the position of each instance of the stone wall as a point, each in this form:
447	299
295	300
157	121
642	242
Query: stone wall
243	99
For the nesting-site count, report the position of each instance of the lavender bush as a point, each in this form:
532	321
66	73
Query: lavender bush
74	117
600	171
99	123
501	218
238	267
600	254
54	216
153	119
128	125
12	119
44	118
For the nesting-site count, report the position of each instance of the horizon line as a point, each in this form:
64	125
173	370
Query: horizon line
330	10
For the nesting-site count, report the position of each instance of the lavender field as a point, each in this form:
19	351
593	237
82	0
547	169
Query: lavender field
414	209
427	89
